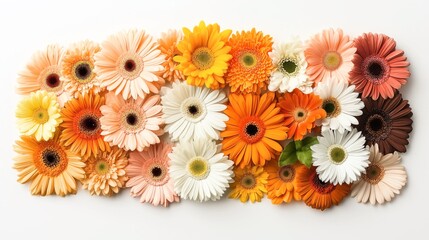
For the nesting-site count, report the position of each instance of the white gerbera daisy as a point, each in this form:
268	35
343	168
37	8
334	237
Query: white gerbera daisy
341	104
384	178
340	157
191	111
200	170
290	65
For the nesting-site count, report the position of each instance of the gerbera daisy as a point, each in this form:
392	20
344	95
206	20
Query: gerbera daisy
77	68
168	46
149	177
249	184
316	193
341	104
340	157
199	170
379	68
281	183
386	122
385	176
44	73
51	168
82	128
301	112
191	111
105	172
253	130
329	55
38	115
129	64
131	124
250	66
203	57
289	68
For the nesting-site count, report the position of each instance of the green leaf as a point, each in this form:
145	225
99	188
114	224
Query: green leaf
309	141
288	155
305	157
298	144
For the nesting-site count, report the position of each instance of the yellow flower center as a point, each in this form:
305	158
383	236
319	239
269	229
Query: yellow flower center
203	58
248	60
102	167
332	60
198	168
332	107
82	71
40	116
337	154
248	181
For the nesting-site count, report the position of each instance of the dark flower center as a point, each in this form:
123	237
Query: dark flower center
320	186
287	173
375	69
50	158
248	181
53	80
83	71
252	129
300	114
130	65
156	172
89	124
289	66
131	119
331	106
376	124
192	109
374	173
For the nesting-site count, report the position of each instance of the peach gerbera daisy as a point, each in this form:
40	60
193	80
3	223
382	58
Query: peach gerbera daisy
281	184
249	184
253	130
250	66
379	68
44	73
203	57
78	68
301	112
168	46
105	172
329	55
131	124
48	165
129	64
81	124
149	177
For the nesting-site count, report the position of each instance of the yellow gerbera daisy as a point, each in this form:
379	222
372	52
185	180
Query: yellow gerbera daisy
203	57
39	115
49	166
249	183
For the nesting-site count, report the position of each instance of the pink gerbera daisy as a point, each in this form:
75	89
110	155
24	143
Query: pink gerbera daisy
149	177
129	64
379	68
131	124
329	55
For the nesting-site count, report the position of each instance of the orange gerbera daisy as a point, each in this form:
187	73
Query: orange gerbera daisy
250	66
81	124
282	183
301	111
253	130
168	46
316	193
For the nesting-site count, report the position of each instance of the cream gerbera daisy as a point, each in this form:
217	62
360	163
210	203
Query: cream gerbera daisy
384	178
191	111
105	172
131	124
44	73
290	66
200	170
341	104
38	115
340	157
77	68
129	64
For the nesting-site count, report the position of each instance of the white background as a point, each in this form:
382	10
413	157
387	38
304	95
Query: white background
27	27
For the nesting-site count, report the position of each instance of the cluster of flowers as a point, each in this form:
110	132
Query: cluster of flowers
197	112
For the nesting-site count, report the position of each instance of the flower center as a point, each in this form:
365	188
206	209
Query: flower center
83	72
376	69
198	168
287	173
49	79
248	60
193	109
289	66
132	119
102	167
374	173
248	181
50	159
203	58
40	116
156	173
130	65
320	186
53	80
377	126
332	60
337	154
252	129
89	124
332	107
299	114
